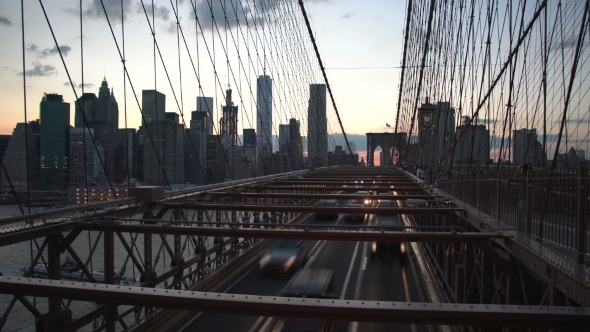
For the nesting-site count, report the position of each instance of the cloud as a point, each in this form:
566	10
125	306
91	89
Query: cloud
65	50
348	15
5	20
79	86
213	11
40	70
160	12
94	10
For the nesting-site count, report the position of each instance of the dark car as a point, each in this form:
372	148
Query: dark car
386	250
327	215
308	283
283	256
354	216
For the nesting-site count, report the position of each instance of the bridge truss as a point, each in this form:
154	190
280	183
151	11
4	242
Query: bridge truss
181	251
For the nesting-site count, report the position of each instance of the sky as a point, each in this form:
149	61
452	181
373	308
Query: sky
350	34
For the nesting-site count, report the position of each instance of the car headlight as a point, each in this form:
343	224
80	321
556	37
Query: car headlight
374	247
402	248
264	261
289	263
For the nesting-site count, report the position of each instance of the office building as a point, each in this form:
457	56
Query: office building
153	106
205	104
163	161
526	148
53	138
284	137
119	150
83	158
436	131
21	158
474	146
249	136
195	156
200	120
107	107
215	160
4	140
229	119
317	126
264	130
87	106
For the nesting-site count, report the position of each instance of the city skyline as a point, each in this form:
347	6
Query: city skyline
48	74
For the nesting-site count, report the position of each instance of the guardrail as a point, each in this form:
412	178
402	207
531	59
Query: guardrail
551	209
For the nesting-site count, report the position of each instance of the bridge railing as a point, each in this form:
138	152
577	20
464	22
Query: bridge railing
554	209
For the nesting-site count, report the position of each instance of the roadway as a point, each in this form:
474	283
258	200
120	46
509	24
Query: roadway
355	277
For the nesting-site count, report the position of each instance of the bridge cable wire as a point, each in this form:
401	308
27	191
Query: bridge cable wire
76	96
83	109
214	23
27	166
571	83
403	66
325	76
132	87
514	50
129	173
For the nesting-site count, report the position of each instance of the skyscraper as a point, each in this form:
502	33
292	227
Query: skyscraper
107	108
166	164
264	130
82	157
153	105
229	119
205	104
317	126
54	141
526	148
284	138
4	140
21	158
474	146
195	156
87	106
200	120
249	138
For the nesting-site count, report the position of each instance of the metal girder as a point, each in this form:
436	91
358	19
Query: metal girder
312	208
333	188
19	234
348	310
549	265
324	181
321	196
90	210
333	235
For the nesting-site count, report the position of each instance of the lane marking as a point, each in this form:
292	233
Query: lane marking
255	325
364	263
266	325
353	326
407	291
347	279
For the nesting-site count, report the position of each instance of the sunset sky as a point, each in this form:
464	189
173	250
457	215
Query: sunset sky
351	34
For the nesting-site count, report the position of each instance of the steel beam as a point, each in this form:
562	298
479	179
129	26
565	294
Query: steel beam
313	208
335	188
341	181
348	310
332	235
321	196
